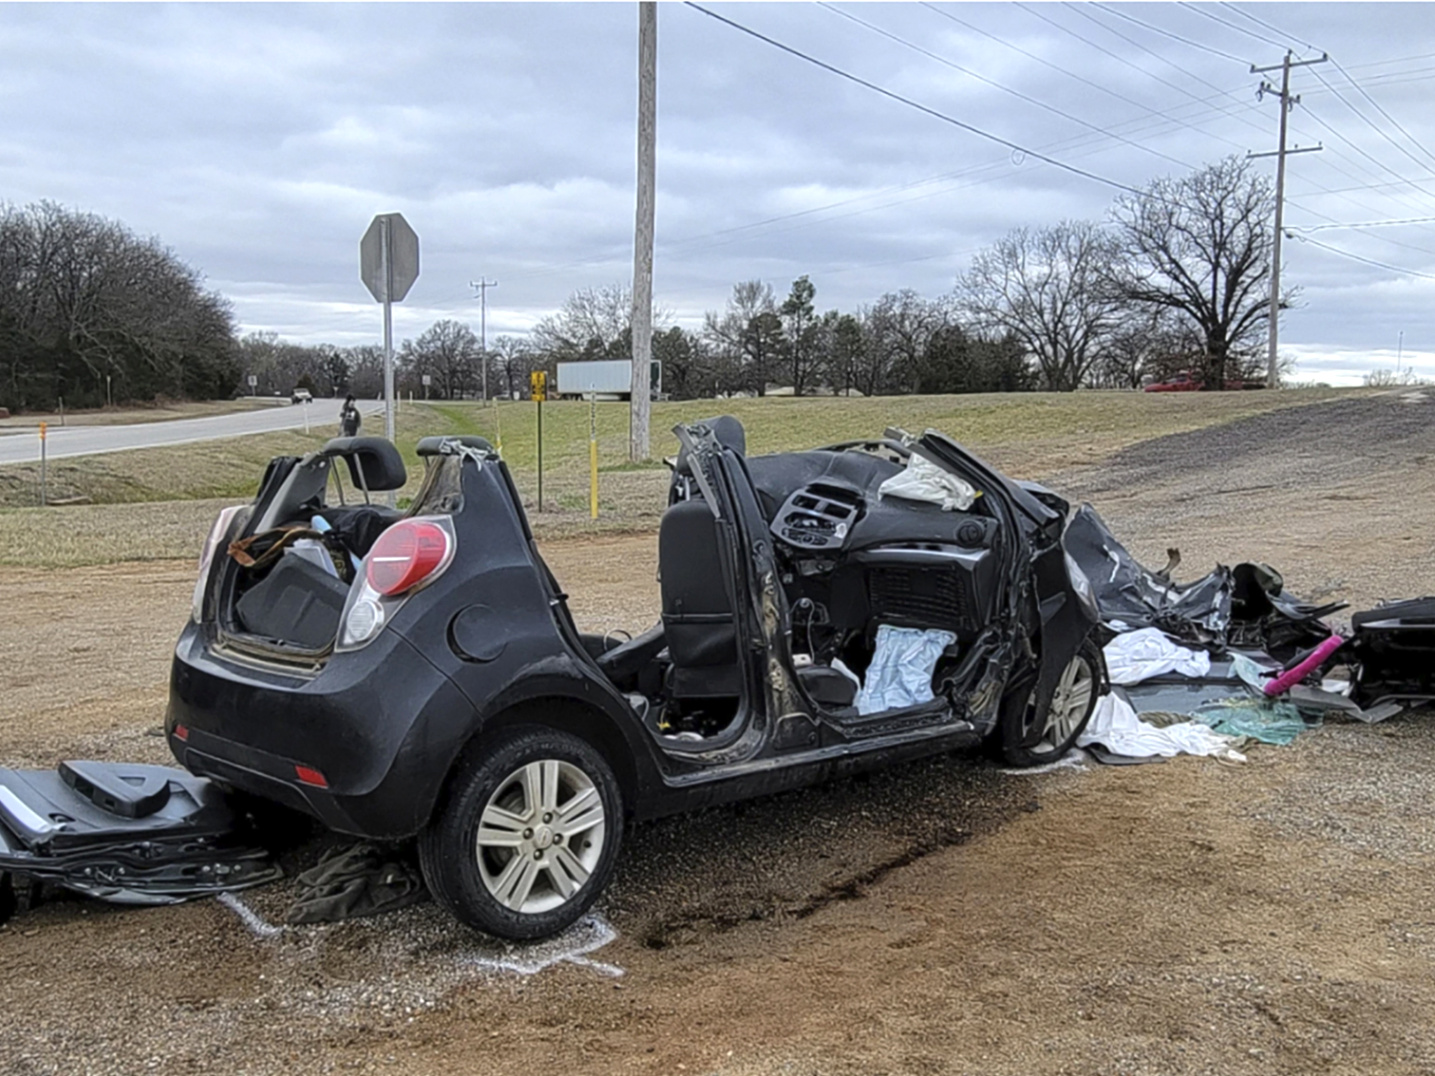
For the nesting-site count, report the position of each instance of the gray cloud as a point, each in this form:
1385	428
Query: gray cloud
259	140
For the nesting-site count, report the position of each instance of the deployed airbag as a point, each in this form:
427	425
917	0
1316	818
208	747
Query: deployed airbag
900	673
923	480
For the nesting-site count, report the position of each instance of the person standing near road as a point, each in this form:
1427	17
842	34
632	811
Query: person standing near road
349	418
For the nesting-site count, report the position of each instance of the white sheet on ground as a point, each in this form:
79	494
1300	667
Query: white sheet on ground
1140	655
1116	725
900	673
923	480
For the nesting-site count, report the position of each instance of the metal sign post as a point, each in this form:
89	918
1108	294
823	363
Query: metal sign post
253	381
593	455
538	389
44	475
305	404
388	266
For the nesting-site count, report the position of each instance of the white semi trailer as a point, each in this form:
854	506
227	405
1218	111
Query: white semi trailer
610	378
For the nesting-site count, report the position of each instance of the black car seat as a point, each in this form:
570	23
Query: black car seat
698	621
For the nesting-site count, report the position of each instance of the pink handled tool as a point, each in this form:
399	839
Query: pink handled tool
1298	672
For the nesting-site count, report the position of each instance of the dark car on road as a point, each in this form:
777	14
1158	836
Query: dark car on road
417	674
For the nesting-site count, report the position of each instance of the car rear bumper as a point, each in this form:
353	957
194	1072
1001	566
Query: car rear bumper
364	745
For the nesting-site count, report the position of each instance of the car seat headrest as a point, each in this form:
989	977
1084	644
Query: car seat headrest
374	463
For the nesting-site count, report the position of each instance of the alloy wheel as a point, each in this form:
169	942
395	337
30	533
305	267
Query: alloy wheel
540	836
1069	704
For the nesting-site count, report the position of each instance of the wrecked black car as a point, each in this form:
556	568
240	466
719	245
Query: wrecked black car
418	674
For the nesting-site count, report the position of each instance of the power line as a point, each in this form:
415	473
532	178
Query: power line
1132	41
1396	123
1104	131
1273	29
1168	33
972	129
1239	29
1368	224
1374	126
1359	258
1169	116
1123	60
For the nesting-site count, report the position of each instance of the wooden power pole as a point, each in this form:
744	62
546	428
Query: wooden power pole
1287	103
640	402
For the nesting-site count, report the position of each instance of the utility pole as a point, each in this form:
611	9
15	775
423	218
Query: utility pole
641	395
483	284
1287	103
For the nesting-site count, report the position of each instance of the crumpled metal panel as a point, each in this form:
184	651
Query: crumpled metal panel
1131	597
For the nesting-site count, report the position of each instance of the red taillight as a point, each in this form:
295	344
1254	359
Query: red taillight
309	776
405	555
181	732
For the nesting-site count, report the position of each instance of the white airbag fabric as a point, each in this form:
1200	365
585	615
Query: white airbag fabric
901	670
1140	655
923	480
1115	725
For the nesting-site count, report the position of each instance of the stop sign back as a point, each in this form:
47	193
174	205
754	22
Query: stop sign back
403	257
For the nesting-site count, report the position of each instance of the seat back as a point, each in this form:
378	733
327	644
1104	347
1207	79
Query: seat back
698	621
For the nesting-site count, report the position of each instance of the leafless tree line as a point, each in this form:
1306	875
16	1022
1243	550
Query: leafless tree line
90	312
1175	279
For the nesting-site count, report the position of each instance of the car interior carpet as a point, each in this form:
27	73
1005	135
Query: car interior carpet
354	881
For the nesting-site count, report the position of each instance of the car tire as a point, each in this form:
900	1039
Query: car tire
1066	717
527	836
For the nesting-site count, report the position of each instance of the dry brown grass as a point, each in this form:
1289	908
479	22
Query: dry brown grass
158	503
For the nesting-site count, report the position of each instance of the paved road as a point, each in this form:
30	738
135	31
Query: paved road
24	446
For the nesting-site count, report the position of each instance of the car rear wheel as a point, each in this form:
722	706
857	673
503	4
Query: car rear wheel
528	836
1031	739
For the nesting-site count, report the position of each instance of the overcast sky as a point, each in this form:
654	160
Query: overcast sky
258	141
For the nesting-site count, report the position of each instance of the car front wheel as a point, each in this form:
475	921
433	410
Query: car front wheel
1031	739
528	836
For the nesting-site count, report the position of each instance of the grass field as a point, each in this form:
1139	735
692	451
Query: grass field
158	503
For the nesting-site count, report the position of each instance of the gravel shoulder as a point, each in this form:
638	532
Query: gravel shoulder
1187	917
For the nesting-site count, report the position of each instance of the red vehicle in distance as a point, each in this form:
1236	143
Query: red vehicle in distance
1185	381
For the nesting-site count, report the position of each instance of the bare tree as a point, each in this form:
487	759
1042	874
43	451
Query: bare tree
1151	343
1201	246
897	330
593	323
1051	290
88	310
512	362
746	338
366	370
448	352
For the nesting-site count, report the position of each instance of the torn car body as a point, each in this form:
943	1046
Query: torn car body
125	833
455	699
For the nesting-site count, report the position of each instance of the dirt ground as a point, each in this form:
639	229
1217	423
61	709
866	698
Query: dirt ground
1187	917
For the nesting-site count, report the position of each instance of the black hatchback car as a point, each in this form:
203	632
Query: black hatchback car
418	674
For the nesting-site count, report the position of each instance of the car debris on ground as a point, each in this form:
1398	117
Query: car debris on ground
124	833
1233	657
